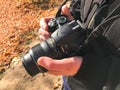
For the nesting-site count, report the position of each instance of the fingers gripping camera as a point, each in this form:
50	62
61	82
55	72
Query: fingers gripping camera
66	38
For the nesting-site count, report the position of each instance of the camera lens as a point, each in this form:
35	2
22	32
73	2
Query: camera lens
30	59
46	48
30	65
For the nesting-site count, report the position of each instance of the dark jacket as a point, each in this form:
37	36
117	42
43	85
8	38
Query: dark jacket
100	69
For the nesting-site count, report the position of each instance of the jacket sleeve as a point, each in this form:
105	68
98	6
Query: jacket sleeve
101	63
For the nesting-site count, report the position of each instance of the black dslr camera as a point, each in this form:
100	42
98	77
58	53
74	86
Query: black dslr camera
65	41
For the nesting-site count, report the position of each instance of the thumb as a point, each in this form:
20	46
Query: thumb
50	64
65	11
60	65
46	62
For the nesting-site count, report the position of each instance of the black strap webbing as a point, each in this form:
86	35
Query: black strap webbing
99	30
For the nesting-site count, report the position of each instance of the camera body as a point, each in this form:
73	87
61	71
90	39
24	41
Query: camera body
55	23
65	41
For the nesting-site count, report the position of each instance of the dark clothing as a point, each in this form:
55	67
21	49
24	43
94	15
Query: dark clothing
100	69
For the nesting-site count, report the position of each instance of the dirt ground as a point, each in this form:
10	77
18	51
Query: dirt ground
19	24
16	78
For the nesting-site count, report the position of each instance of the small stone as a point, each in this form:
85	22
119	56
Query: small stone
15	61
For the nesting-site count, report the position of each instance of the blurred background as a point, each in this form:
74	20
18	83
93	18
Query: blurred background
19	24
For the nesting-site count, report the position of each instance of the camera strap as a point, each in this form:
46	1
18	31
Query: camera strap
102	27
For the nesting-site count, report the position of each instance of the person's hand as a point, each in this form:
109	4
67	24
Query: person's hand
66	66
43	31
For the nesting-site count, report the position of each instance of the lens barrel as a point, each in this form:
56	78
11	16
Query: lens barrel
30	59
45	48
30	65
